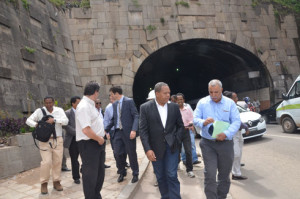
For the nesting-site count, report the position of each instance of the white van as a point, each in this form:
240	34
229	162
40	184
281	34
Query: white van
288	112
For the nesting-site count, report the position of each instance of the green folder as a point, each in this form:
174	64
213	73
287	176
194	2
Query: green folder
219	127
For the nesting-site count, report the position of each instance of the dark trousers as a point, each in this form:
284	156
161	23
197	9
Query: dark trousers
112	146
166	174
92	156
187	145
122	144
74	153
217	156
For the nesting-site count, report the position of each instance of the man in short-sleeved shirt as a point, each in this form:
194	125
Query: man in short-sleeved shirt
90	138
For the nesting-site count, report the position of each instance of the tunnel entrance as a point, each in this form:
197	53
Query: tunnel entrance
187	67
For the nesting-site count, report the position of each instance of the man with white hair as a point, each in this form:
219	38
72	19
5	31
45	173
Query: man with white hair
217	152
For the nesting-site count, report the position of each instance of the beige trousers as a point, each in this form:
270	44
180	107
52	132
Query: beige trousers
51	158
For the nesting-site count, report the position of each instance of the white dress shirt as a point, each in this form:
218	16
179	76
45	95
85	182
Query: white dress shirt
163	113
87	115
57	113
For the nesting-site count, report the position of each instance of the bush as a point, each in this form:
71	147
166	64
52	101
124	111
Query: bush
12	126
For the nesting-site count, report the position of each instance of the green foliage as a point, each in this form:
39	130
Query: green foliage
58	3
30	50
151	28
162	21
182	3
282	6
135	2
25	4
85	4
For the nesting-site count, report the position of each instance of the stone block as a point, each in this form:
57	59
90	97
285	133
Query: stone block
147	48
47	46
221	30
36	14
272	32
172	36
115	79
108	43
67	43
27	106
199	25
133	8
30	156
166	2
111	62
28	56
135	19
291	52
128	73
292	34
97	57
137	53
11	162
5	73
114	70
79	13
203	10
122	34
77	80
4	21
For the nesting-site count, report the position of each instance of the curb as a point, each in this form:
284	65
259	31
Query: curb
130	189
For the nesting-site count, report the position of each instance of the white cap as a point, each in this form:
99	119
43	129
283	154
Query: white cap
151	95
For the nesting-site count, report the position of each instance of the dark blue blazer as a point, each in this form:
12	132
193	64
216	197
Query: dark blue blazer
129	116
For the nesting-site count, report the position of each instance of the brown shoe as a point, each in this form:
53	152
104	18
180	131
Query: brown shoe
57	186
44	188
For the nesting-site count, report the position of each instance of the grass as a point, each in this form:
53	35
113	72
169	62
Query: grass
151	28
182	3
30	50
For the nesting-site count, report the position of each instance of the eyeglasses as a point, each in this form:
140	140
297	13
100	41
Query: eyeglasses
98	102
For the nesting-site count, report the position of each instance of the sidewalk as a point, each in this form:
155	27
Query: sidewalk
26	185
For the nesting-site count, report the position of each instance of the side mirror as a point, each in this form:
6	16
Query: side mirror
284	97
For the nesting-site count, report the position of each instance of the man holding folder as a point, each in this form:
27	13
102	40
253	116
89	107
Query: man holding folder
217	149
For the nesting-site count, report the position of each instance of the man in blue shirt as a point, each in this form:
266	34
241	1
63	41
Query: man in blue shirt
217	152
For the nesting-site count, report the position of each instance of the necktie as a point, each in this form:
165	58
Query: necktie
120	123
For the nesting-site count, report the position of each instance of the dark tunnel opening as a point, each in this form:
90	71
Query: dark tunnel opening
187	67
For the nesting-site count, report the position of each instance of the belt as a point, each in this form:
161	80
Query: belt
118	129
214	140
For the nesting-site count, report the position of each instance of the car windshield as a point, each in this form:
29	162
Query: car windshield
241	109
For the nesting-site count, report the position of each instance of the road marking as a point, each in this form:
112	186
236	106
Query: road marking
281	136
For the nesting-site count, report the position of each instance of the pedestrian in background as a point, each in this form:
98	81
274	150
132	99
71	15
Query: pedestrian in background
125	120
70	139
256	104
98	106
161	130
51	157
217	152
186	151
90	138
238	142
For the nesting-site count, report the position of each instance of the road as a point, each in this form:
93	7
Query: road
272	166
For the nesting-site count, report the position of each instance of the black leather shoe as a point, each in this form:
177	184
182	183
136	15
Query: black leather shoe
239	177
197	162
106	166
127	165
121	177
242	164
77	181
65	169
135	179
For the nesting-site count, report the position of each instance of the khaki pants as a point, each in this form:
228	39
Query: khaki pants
51	158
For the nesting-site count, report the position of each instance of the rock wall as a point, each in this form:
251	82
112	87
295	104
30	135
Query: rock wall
113	37
36	57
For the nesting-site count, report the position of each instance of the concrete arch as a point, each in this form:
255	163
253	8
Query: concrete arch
188	65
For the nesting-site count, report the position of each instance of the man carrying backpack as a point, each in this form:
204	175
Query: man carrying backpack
52	150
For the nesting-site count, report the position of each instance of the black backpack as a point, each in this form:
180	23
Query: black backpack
44	131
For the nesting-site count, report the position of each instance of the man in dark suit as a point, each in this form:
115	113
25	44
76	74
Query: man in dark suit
125	120
70	139
161	128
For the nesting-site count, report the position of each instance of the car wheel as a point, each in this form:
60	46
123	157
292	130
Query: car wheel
288	125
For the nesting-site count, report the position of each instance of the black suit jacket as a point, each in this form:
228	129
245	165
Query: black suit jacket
152	132
70	128
129	116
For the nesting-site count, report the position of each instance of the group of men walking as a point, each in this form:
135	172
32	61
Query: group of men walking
162	126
